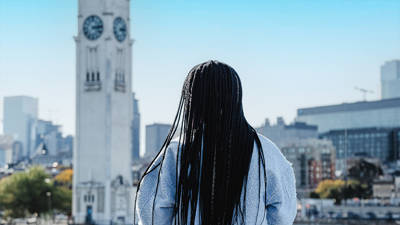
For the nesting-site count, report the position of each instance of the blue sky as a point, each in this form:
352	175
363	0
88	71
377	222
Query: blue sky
289	54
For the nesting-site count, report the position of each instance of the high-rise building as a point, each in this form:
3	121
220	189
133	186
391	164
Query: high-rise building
135	129
20	116
380	143
364	114
50	135
281	134
313	161
381	113
155	136
51	145
102	186
68	144
17	152
390	79
6	143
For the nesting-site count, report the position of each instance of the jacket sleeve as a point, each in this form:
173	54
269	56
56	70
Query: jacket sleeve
165	198
161	196
281	200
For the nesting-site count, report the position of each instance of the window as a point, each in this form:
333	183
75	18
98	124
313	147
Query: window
92	73
119	80
88	198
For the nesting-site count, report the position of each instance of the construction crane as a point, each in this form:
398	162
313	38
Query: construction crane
364	92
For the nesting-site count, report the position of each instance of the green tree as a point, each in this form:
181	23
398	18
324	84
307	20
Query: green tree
26	193
62	199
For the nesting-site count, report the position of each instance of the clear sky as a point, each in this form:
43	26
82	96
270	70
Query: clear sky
289	54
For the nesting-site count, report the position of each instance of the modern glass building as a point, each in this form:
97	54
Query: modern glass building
390	79
20	115
381	113
381	143
155	137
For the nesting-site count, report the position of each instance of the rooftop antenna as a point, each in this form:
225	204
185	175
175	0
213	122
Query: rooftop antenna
364	92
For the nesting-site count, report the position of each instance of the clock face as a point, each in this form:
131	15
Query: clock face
120	29
93	27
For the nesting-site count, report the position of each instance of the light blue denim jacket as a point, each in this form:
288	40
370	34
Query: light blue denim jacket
280	208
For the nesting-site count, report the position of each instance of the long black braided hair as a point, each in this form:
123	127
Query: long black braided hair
214	150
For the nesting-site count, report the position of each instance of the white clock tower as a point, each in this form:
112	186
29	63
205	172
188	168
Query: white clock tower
102	191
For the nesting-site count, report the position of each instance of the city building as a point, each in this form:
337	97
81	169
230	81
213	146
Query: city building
51	145
384	189
6	144
135	129
20	114
50	135
68	144
17	152
102	185
313	160
390	79
280	133
381	113
364	114
155	136
381	143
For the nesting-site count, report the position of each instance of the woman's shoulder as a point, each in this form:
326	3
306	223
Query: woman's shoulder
274	158
279	173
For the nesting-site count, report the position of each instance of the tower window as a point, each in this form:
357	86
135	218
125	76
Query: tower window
119	80
93	82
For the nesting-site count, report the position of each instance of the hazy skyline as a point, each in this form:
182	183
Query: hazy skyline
289	54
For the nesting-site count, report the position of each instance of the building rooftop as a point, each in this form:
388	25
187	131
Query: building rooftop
346	107
158	124
301	126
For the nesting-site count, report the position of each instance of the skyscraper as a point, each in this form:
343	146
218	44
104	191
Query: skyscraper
155	137
102	187
50	135
20	116
135	129
390	79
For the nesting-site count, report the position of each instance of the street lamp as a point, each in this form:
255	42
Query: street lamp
48	194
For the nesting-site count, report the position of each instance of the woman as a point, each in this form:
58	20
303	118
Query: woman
218	170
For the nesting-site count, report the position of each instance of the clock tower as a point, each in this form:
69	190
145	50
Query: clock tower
102	187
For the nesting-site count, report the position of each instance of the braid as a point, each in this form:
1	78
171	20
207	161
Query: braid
215	148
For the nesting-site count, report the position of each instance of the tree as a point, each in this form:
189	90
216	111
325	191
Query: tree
314	194
64	178
339	189
364	172
26	193
63	199
326	187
